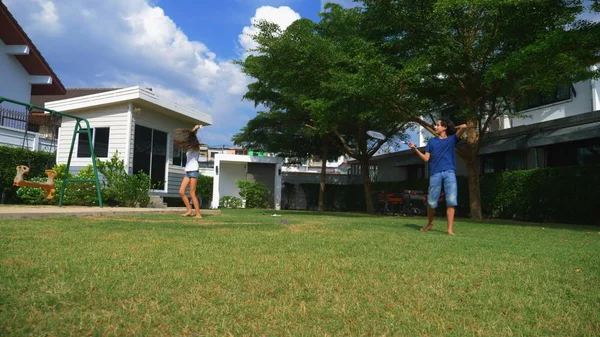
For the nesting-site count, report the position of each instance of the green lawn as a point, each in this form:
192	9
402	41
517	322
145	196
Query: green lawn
245	273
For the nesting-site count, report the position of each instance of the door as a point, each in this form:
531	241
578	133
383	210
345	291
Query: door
150	155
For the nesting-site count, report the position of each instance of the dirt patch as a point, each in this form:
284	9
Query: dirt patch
16	262
307	226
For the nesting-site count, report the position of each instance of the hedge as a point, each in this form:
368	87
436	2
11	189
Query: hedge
37	161
565	195
352	197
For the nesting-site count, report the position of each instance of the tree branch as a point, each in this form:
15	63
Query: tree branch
424	124
345	146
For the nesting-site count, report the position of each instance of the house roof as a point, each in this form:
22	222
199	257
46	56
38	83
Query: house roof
11	33
40	100
141	97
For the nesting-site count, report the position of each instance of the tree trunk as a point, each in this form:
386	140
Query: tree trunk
324	154
474	189
472	160
364	168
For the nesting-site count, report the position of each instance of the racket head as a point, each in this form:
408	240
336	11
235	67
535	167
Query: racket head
375	134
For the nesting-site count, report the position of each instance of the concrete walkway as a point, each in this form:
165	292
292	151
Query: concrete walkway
27	212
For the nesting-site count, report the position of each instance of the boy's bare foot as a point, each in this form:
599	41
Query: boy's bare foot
450	233
187	214
426	228
198	216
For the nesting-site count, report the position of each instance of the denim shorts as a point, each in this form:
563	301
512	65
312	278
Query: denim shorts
192	174
436	181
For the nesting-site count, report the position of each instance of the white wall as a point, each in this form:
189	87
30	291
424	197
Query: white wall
595	93
234	167
35	142
14	80
574	106
115	117
228	175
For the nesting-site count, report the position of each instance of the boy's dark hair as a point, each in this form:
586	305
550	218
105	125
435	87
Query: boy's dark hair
450	129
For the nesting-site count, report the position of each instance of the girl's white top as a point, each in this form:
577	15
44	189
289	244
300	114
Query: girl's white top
193	157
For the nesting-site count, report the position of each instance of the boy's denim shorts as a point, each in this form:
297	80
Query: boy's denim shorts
436	181
192	174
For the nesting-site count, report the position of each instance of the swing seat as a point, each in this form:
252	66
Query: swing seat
47	186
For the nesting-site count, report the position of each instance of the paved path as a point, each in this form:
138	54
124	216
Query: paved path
24	212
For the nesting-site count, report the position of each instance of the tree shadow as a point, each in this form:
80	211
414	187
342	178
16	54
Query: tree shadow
413	226
545	225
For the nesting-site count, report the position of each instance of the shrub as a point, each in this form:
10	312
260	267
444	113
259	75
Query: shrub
120	188
565	194
117	187
204	189
256	194
230	202
37	161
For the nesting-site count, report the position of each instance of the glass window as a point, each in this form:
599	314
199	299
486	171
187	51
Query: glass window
100	139
536	99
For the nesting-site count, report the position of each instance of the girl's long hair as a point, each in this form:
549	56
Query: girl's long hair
185	140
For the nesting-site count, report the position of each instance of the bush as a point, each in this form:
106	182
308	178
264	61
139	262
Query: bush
34	196
38	161
204	189
352	197
256	194
566	194
230	202
117	187
120	188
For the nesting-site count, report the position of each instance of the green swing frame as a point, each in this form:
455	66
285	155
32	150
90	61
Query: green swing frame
76	131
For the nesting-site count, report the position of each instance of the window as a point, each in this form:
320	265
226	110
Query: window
150	155
100	138
516	160
536	99
179	157
414	172
589	155
493	163
585	152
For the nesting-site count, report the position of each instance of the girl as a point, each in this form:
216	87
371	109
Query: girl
189	140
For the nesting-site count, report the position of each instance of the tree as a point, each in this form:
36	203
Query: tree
283	133
479	59
338	77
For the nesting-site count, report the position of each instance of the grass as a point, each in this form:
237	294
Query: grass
245	273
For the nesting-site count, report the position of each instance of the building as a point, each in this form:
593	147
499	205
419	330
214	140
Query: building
24	73
134	123
557	129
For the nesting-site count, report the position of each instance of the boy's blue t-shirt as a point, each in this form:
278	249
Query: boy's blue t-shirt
441	152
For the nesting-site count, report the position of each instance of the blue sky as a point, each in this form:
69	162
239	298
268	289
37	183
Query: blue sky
181	48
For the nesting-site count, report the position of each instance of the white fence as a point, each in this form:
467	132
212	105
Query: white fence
33	141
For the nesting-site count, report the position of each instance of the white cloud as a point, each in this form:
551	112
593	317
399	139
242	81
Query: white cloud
283	16
43	16
126	43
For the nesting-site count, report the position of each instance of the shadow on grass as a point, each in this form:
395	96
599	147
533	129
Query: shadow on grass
547	225
413	226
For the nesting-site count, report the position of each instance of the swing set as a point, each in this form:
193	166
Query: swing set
48	186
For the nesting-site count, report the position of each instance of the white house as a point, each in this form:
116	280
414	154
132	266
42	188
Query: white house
558	129
23	72
230	168
136	123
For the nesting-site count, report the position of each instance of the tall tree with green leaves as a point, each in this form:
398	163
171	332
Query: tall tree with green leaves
479	59
338	77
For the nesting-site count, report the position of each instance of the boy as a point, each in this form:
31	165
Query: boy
439	152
